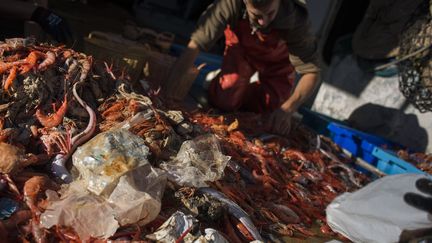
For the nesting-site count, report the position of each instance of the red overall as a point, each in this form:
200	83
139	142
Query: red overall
244	55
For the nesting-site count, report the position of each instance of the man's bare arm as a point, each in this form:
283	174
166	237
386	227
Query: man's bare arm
305	87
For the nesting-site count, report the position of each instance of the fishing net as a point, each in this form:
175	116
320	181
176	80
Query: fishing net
415	54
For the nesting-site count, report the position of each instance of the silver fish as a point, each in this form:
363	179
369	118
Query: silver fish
235	210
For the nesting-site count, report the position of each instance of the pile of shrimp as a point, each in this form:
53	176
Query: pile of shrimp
279	186
54	99
48	107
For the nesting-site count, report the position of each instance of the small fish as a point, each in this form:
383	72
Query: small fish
235	210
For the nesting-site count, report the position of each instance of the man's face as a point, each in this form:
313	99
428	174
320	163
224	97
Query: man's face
261	17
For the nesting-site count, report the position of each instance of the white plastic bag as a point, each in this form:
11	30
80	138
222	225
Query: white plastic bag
377	212
117	186
197	161
88	214
137	196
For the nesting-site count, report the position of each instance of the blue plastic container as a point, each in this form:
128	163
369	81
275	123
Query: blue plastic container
390	164
343	130
357	142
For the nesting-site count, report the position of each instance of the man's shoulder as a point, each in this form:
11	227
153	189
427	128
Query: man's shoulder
290	13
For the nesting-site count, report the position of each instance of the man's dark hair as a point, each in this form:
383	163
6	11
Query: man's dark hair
259	3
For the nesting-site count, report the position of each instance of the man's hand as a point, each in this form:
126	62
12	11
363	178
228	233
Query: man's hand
419	201
280	119
53	24
279	122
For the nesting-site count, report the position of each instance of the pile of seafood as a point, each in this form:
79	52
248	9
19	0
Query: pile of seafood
277	187
54	99
49	100
420	160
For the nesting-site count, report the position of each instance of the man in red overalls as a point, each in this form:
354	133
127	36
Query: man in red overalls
271	37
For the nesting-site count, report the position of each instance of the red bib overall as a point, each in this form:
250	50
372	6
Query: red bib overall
244	55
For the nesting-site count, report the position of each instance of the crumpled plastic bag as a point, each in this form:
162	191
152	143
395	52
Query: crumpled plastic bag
197	161
211	236
88	214
378	212
179	224
173	228
122	188
109	155
137	196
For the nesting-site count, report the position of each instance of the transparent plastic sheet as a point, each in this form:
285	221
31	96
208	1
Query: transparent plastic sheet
378	212
136	119
88	214
122	187
197	161
106	157
137	196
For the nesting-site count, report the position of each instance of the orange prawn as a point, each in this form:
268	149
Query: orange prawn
116	107
4	66
54	119
34	189
49	60
14	58
85	68
11	77
31	60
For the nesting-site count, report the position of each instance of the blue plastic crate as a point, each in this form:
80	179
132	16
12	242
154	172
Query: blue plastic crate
390	164
359	144
342	130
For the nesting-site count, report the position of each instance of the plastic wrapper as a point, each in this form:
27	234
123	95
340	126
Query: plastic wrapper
173	228
138	194
106	157
211	236
123	188
378	212
197	161
180	224
88	214
136	119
